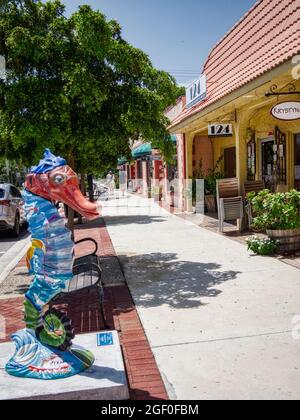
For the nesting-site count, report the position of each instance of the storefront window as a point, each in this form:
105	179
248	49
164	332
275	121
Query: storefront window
297	161
251	159
268	162
280	157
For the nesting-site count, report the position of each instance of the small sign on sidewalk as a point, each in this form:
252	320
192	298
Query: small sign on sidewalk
105	339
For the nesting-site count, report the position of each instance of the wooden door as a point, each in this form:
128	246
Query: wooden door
230	162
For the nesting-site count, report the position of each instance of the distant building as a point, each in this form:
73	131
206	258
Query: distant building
149	175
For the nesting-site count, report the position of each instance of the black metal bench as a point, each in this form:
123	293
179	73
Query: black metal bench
87	276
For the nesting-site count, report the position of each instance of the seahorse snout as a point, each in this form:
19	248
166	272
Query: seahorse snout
74	199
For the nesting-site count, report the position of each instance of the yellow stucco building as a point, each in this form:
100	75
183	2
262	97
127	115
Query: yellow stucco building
244	111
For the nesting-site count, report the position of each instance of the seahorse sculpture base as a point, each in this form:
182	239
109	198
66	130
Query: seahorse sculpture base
34	360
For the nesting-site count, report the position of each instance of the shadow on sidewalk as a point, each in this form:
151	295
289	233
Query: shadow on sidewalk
161	279
7	236
83	309
131	220
97	223
119	220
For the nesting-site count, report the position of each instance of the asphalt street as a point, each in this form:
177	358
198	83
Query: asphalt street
7	241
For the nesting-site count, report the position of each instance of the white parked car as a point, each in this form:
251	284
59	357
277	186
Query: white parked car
12	214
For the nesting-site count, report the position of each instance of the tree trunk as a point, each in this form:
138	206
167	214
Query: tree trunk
71	223
83	191
70	211
91	188
82	183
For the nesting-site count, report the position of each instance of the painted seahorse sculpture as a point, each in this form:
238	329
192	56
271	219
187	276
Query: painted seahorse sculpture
44	349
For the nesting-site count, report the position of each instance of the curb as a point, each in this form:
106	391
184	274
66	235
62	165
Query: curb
12	257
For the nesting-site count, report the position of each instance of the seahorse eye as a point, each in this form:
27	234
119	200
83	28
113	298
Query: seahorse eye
59	179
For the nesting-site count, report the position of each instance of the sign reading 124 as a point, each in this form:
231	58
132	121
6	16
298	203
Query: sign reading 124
220	130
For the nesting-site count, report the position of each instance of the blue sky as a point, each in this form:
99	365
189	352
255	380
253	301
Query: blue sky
176	34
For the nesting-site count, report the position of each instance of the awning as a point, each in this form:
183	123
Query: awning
174	138
122	161
141	151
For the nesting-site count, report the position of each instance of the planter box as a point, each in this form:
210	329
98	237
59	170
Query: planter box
289	239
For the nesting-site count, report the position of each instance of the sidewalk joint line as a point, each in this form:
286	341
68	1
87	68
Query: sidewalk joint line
223	339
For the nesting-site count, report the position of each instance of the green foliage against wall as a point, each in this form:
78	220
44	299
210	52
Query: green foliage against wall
76	86
12	172
280	211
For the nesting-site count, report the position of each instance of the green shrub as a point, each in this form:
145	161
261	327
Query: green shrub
275	211
210	177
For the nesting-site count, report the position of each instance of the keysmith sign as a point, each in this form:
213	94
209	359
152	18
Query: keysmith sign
196	92
286	111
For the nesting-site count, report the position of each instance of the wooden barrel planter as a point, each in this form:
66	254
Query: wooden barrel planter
289	240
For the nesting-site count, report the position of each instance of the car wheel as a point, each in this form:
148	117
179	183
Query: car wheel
16	228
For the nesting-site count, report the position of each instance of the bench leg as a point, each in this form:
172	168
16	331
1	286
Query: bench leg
221	223
101	302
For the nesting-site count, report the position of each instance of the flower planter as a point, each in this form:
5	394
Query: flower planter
289	239
210	203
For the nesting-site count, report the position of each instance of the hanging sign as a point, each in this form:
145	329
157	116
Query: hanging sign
286	111
220	130
196	92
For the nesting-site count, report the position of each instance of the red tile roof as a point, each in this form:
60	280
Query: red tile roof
267	36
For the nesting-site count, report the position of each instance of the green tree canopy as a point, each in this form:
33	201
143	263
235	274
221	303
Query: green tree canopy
76	86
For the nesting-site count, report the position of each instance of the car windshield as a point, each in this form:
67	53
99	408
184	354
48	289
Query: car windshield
2	193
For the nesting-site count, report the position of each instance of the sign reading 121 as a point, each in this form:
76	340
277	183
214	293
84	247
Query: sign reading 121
196	92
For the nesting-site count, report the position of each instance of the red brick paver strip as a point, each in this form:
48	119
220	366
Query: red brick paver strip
144	378
12	312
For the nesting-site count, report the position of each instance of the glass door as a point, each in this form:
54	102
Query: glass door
268	163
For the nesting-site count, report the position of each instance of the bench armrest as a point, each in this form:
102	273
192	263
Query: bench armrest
231	199
88	240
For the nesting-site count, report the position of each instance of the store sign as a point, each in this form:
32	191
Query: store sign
286	111
220	130
196	92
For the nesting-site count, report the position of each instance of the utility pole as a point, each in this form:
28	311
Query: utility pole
2	68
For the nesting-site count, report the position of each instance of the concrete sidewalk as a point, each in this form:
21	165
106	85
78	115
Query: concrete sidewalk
220	322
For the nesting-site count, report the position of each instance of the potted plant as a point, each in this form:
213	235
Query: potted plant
156	192
278	215
210	184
